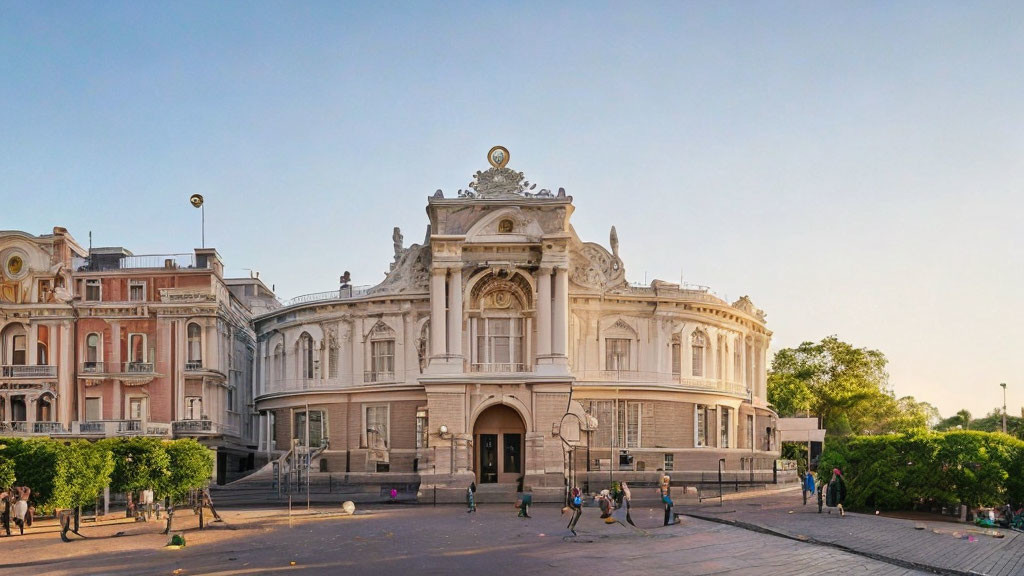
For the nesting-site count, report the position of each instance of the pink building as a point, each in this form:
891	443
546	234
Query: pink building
126	344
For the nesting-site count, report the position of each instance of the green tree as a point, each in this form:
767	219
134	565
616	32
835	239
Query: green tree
846	387
83	469
139	463
7	476
191	465
35	465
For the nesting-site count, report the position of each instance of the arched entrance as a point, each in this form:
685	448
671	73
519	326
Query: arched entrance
499	435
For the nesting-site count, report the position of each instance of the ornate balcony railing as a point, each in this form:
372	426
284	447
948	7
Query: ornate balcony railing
138	367
14	427
47	428
497	367
193	427
92	368
193	366
663	378
38	371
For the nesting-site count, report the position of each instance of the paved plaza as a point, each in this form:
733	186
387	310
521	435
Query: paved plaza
443	540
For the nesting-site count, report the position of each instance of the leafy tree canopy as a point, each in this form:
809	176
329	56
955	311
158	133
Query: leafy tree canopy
847	387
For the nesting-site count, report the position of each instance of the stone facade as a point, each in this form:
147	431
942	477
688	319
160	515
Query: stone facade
505	348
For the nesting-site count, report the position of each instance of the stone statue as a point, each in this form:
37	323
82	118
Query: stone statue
614	239
397	238
345	279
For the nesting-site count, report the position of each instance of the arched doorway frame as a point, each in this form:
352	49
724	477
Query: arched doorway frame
522	411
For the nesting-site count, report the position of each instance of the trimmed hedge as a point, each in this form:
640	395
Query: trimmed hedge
68	473
899	471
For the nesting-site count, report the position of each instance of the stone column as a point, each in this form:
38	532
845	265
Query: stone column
455	313
560	314
437	317
544	312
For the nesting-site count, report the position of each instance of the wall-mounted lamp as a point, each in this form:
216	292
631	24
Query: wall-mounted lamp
443	430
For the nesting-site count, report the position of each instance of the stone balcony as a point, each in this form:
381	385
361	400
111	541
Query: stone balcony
40	428
498	367
207	427
21	371
108	428
662	378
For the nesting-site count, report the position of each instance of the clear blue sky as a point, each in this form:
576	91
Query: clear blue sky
857	169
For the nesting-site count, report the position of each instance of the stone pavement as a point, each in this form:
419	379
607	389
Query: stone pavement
427	540
934	546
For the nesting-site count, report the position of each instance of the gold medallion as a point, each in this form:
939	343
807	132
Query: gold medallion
498	156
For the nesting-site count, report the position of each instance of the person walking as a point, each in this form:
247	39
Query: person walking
470	500
5	519
808	487
665	488
21	507
576	505
836	495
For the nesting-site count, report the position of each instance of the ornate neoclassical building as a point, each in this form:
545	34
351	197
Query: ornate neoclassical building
506	347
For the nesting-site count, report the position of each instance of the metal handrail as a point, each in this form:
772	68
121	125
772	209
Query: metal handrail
340	293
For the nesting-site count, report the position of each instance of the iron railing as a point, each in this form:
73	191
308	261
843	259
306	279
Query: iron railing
192	426
92	368
138	367
193	365
498	367
341	293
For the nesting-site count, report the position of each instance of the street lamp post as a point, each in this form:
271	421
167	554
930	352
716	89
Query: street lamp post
1003	384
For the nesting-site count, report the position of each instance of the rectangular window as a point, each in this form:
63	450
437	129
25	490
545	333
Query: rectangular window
629	424
750	430
136	350
616	356
137	409
19	357
333	358
193	408
700	426
698	361
317	430
136	291
231	399
93	290
676	358
376	418
93	409
383	352
422	428
670	462
604	411
725	427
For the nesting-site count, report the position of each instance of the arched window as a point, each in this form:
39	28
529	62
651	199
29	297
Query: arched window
195	343
698	343
93	363
498	331
279	362
306	353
